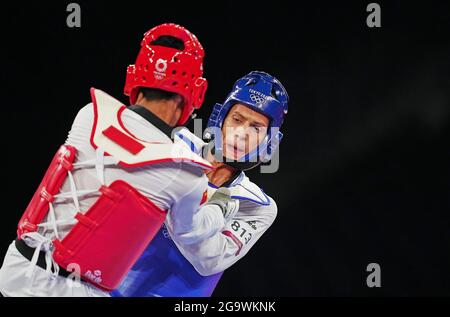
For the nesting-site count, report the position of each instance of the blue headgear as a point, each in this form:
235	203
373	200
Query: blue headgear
260	92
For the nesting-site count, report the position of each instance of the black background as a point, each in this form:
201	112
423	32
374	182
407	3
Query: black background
364	163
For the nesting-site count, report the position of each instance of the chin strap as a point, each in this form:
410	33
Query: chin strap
239	165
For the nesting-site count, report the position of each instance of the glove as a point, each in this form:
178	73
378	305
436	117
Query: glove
222	198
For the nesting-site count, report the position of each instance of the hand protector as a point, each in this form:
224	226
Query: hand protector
222	198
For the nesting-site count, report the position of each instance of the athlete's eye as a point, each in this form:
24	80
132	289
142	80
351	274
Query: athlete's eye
236	119
257	129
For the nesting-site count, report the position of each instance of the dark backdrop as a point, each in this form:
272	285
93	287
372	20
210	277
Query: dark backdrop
364	163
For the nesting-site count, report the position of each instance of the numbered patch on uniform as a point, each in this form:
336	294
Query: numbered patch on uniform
240	232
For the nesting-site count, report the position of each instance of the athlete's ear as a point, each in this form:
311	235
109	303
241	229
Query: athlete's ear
179	101
139	98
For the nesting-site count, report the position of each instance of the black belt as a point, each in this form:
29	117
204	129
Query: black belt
28	252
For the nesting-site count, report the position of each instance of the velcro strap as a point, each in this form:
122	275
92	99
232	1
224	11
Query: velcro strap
125	141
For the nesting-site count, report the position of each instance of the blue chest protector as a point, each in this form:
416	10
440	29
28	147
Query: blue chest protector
163	271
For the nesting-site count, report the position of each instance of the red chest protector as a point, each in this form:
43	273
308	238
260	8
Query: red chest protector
111	235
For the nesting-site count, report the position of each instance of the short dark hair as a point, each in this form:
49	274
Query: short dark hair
169	41
152	94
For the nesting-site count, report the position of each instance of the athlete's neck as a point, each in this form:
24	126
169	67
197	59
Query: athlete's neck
167	110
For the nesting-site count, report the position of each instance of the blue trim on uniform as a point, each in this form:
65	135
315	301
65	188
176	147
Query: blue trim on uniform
212	185
188	142
239	179
266	203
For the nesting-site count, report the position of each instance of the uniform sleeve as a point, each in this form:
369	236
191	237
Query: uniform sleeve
229	244
188	222
81	127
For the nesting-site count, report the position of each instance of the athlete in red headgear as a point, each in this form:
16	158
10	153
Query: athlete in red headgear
117	178
179	71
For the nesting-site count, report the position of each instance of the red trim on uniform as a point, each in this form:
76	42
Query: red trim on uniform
204	197
94	127
119	118
236	240
125	141
122	125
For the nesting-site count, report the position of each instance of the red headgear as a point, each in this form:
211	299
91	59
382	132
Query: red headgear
170	69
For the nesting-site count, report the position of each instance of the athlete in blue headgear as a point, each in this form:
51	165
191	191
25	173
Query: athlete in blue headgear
242	132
